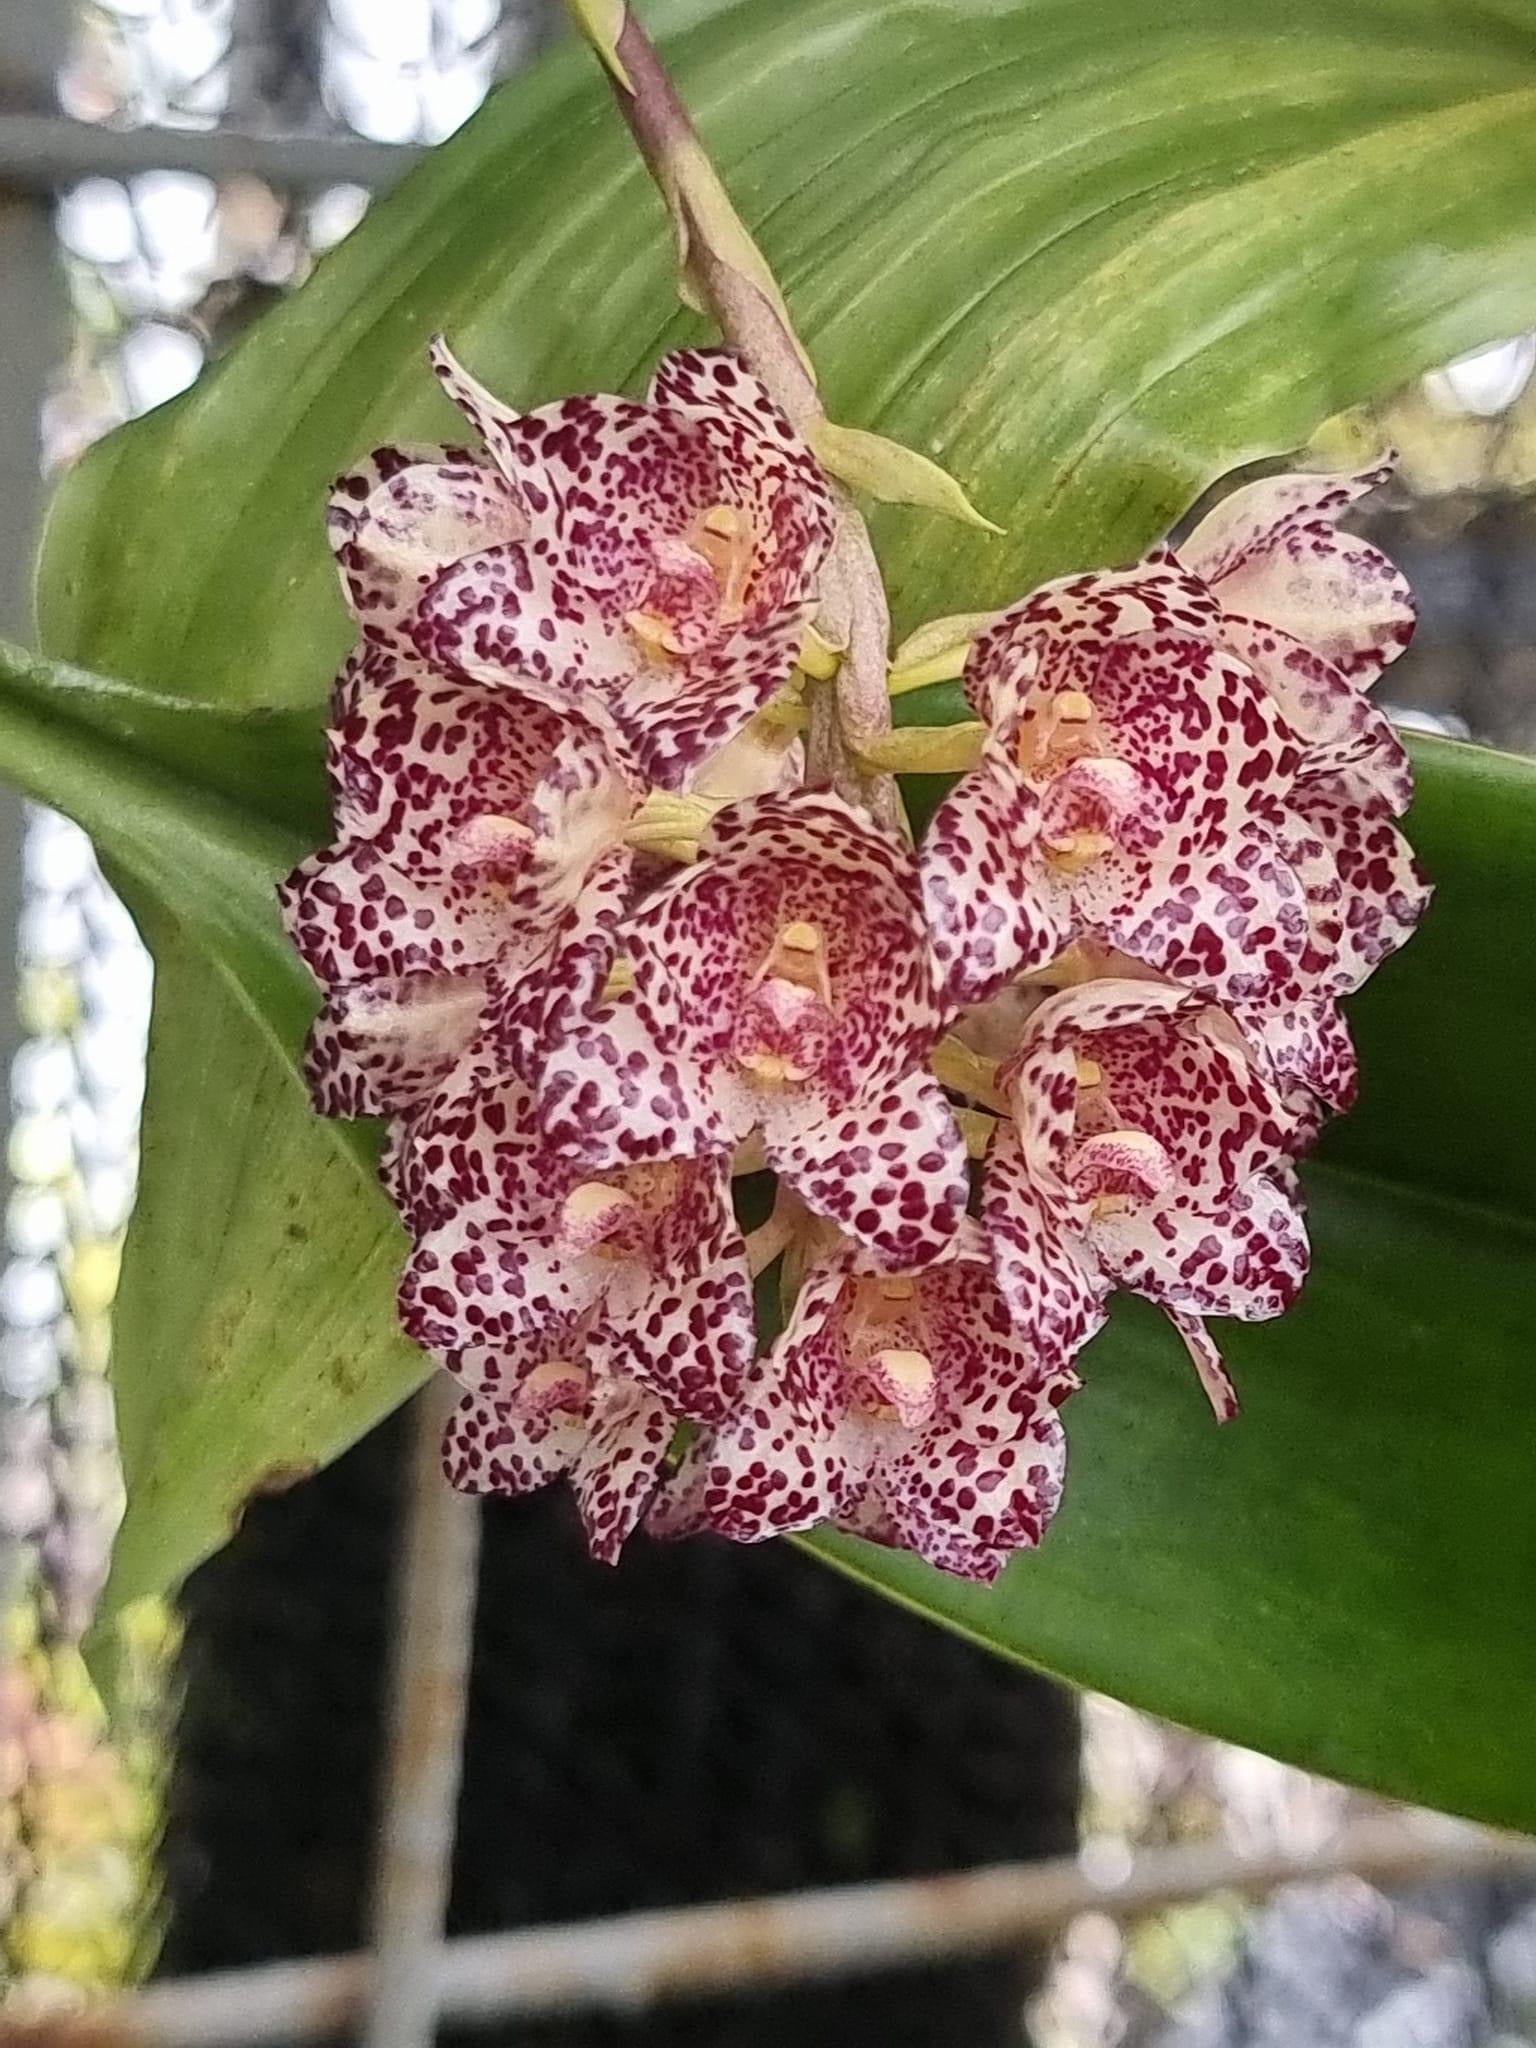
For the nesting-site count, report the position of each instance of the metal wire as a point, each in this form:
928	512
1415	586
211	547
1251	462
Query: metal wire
42	152
634	1961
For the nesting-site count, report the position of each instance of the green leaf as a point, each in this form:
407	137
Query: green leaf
284	1349
254	1335
1088	256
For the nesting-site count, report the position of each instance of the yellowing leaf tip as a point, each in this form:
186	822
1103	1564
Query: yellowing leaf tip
602	23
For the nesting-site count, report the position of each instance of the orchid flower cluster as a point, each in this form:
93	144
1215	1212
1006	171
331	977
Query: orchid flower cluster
616	923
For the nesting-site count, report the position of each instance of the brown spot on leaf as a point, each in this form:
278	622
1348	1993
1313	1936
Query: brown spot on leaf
278	1478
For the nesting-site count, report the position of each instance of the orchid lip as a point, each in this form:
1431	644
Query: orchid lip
772	1067
723	537
592	1213
1073	851
899	1385
1133	1159
492	834
894	1379
559	1384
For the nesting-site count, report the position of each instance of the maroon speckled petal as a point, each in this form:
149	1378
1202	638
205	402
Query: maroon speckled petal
1058	636
518	614
1232	924
988	917
494	422
1272	552
379	1047
889	1169
1246	1257
783	1462
1206	743
669	561
515	615
616	1472
1305	1044
907	1408
1132	792
622	1085
355	916
414	758
513	1236
496	1447
965	1506
1385	891
1048	1276
480	845
399	519
1149	1149
845	1005
1328	710
612	1446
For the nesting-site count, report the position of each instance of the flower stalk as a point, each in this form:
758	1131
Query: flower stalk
925	749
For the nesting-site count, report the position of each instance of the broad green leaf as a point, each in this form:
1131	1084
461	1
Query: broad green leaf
254	1332
264	762
285	1347
1088	256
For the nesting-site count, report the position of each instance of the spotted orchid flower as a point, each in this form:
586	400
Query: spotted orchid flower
1364	894
513	1238
474	828
1305	1047
567	1417
1315	613
1381	889
782	986
907	1407
1130	790
1147	1150
658	559
405	515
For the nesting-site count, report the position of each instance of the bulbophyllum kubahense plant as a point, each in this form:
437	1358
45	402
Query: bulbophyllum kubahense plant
622	910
